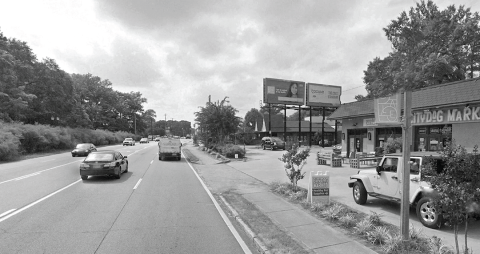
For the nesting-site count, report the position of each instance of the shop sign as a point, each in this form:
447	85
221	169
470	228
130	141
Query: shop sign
388	110
369	122
453	115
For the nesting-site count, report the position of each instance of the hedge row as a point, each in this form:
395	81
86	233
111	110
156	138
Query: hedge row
18	139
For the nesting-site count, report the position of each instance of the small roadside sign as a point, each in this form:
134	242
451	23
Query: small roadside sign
319	187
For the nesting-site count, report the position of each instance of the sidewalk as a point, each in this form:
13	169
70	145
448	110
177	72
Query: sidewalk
315	235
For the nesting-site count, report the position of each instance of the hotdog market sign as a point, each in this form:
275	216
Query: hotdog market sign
441	116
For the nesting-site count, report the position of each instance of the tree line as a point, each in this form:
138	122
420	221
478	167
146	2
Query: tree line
40	92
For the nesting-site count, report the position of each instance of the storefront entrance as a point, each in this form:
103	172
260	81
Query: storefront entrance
356	139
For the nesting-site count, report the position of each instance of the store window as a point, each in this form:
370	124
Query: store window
387	134
432	138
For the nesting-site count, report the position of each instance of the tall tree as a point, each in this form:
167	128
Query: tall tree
217	120
16	70
53	89
430	47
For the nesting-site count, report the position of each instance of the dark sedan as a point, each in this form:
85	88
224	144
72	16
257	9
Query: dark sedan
83	149
104	163
272	143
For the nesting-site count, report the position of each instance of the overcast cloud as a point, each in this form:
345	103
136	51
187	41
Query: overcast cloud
177	53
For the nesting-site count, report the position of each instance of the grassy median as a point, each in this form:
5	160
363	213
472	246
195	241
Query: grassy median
274	238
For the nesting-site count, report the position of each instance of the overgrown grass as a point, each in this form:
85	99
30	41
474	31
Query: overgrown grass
369	227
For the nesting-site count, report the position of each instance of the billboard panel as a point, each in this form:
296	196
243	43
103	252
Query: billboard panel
319	95
279	91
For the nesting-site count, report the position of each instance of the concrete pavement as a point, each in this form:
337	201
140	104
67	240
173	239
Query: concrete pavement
315	235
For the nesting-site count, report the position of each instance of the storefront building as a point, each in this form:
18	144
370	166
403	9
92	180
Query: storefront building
440	113
295	132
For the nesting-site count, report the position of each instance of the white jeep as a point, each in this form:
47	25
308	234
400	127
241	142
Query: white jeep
385	182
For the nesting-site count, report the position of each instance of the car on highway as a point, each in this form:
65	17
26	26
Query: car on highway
129	142
83	149
144	140
272	143
104	163
385	182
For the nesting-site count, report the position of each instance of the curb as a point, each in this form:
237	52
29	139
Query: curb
256	241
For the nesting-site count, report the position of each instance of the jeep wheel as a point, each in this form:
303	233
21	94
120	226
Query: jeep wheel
428	215
359	193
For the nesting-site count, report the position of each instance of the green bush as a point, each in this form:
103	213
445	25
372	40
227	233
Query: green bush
230	150
17	138
9	144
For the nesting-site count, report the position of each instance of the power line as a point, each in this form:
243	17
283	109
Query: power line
354	88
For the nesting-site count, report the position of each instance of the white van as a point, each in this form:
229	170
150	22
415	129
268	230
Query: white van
169	148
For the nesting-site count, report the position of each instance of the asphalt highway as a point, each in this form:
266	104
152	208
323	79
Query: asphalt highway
157	207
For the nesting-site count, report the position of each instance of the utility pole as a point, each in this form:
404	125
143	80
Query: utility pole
406	133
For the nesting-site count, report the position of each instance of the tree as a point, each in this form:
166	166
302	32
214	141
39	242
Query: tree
456	178
53	89
16	70
217	121
294	160
251	118
430	47
148	118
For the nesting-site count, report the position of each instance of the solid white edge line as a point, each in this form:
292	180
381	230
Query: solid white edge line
221	212
7	212
138	183
38	201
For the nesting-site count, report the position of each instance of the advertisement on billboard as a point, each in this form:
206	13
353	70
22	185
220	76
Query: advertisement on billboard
279	91
323	95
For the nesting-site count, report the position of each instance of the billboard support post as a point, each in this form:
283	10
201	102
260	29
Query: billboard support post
310	132
299	124
284	125
269	120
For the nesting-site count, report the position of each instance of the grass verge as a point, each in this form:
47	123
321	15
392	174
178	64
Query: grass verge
274	238
385	238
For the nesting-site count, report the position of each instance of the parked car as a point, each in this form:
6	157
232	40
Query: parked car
129	142
144	140
272	143
104	163
157	139
385	182
188	136
83	149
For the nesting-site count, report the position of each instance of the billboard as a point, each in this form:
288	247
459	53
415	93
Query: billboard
279	91
323	95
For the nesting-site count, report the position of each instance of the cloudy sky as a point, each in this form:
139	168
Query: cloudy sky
178	52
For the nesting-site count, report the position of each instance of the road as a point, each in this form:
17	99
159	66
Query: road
265	166
157	207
